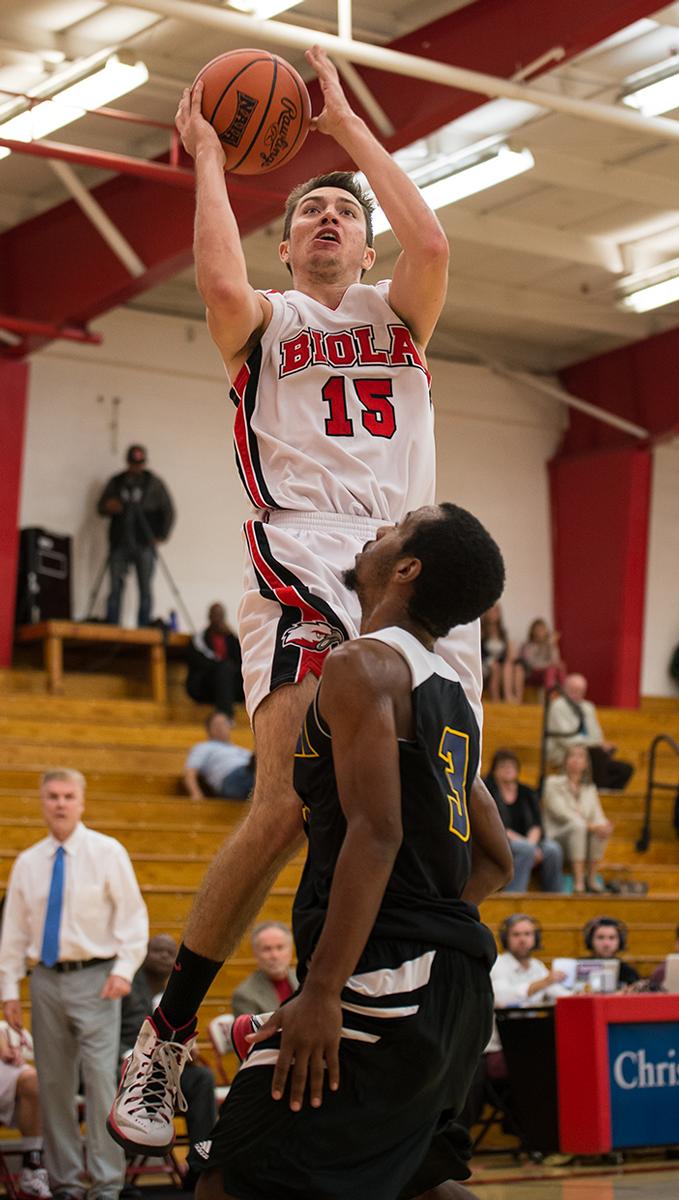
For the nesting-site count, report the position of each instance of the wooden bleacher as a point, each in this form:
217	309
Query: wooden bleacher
132	751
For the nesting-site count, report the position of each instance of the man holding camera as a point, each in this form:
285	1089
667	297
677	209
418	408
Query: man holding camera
142	514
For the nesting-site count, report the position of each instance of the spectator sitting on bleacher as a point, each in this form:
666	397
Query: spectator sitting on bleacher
20	1109
274	980
539	663
606	937
572	720
573	817
214	658
520	812
226	769
497	657
657	980
197	1080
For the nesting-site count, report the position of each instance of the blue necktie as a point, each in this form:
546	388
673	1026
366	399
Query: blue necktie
49	953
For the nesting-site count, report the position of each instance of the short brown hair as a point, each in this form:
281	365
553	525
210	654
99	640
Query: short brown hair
347	181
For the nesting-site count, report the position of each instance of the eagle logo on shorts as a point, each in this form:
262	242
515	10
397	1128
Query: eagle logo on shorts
313	635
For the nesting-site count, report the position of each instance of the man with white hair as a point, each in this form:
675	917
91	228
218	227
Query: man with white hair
572	721
74	909
275	980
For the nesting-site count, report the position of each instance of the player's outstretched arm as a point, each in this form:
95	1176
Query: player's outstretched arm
236	312
420	277
492	863
357	707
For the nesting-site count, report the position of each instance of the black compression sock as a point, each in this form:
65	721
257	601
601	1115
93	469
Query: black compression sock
186	989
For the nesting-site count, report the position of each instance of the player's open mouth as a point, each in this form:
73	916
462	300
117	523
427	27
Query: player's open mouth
328	235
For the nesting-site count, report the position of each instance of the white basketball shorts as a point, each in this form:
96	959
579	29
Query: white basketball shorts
295	607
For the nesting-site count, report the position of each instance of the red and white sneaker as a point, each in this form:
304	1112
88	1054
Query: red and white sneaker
142	1116
246	1023
34	1184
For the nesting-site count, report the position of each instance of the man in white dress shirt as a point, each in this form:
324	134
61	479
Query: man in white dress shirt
75	910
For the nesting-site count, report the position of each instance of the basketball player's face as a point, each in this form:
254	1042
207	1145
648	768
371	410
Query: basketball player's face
374	564
328	237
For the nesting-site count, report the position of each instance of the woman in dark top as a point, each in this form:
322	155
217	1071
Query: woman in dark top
520	813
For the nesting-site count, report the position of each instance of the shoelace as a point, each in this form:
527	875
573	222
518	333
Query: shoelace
151	1094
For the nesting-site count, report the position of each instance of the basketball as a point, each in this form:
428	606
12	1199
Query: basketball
259	106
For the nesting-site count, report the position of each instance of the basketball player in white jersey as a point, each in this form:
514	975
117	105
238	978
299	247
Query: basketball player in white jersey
334	438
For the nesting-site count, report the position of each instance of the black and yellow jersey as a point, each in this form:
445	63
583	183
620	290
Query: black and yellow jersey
422	898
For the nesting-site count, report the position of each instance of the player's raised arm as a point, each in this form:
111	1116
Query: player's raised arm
236	312
420	277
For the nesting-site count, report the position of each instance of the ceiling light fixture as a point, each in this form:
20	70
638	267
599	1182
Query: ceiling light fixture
654	295
113	79
486	172
263	10
655	90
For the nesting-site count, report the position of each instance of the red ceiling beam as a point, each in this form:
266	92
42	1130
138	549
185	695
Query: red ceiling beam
69	333
56	268
104	160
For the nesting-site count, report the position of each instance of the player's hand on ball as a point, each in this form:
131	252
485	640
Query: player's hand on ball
310	1028
336	108
194	130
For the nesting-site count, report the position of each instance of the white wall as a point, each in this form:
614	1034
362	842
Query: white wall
174	400
661	622
494	440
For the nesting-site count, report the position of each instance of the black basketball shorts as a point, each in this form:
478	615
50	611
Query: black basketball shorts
416	1020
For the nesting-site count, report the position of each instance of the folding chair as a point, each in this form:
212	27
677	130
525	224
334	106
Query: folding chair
219	1033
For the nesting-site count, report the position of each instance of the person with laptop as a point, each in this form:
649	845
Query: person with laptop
605	938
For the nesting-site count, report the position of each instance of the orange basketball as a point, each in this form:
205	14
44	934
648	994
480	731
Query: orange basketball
259	106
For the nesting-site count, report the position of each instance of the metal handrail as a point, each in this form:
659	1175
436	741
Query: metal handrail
645	836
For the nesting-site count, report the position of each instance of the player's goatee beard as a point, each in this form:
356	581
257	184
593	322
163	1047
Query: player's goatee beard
349	579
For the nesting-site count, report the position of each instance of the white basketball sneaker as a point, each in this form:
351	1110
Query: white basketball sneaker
34	1184
142	1115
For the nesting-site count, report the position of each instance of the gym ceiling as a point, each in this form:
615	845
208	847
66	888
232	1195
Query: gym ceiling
98	213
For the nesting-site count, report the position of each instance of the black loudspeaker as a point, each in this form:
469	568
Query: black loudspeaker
44	577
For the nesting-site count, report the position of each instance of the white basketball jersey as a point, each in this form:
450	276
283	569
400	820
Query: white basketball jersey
333	410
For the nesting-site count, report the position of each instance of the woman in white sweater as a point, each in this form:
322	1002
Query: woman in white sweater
573	817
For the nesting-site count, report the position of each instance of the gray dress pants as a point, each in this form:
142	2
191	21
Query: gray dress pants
76	1032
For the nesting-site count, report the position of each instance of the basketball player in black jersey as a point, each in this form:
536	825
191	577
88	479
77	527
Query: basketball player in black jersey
348	1090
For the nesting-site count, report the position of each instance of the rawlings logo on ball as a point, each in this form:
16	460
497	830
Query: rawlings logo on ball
276	136
313	635
246	106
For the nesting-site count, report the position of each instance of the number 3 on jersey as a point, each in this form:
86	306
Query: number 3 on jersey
454	750
378	415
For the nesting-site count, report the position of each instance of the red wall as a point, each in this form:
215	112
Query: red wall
639	382
13	392
600	513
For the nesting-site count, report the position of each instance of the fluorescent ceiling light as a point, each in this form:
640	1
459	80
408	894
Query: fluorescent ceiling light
262	10
653	296
495	168
113	79
655	91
